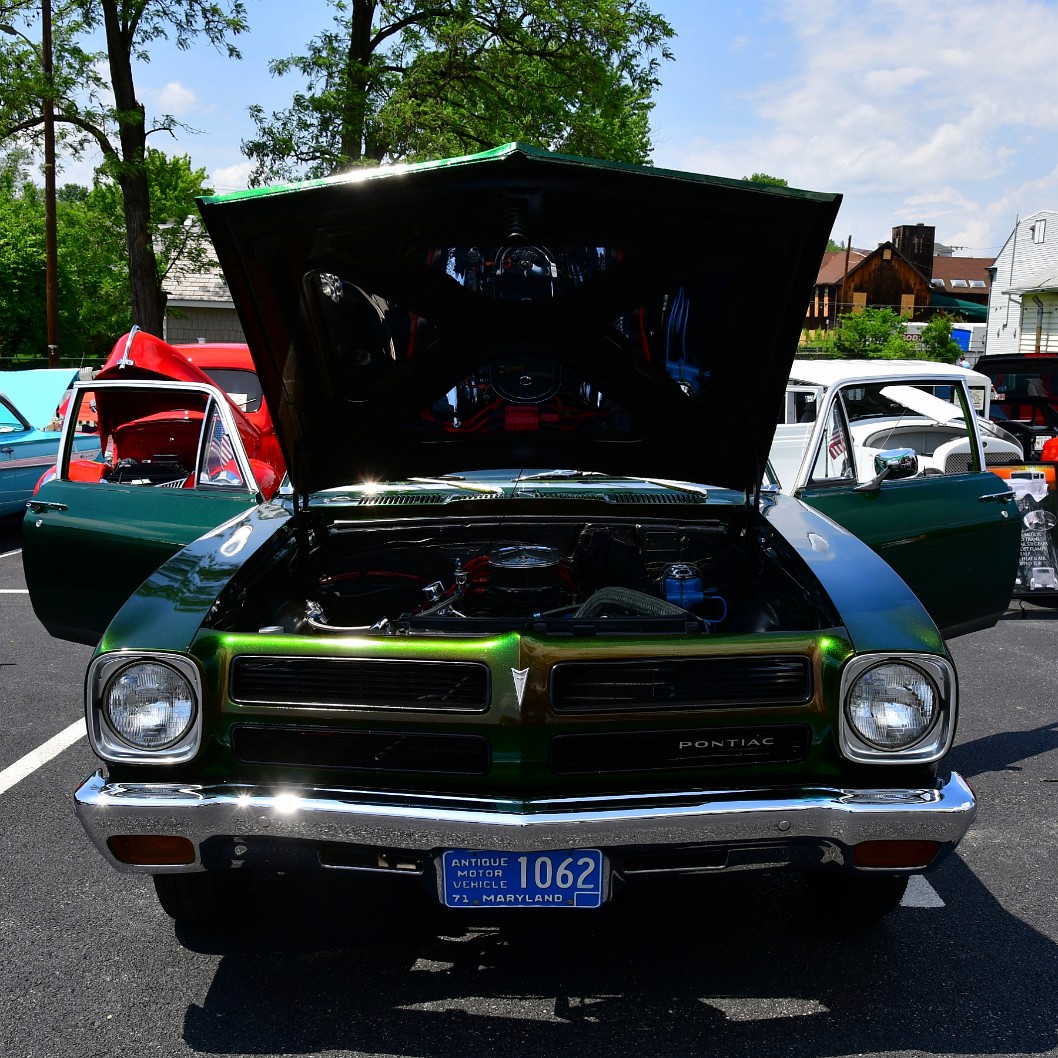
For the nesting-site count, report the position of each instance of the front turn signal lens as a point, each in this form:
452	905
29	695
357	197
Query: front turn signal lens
152	850
903	855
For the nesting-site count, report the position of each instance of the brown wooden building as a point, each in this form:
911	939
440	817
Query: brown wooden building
881	279
904	274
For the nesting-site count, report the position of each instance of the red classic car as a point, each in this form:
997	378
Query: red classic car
152	436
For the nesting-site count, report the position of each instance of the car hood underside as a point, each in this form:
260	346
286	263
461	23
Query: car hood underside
521	309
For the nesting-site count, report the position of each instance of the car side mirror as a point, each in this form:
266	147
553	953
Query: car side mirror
898	462
892	464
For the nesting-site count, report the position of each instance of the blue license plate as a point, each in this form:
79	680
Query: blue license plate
471	878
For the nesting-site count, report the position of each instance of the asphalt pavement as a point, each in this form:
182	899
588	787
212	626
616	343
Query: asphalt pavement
728	966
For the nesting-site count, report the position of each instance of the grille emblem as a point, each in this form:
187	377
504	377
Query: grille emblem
518	675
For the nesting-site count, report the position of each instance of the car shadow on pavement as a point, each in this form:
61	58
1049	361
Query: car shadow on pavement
730	965
1027	610
1002	751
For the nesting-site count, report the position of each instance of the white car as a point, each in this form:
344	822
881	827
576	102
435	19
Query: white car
1043	578
860	439
1029	483
937	410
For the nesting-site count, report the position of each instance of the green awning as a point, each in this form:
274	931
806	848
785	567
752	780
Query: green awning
969	310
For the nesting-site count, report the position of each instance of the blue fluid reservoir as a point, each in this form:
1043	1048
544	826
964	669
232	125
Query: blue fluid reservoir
681	584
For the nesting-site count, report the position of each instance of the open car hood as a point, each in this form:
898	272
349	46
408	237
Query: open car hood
138	356
522	309
924	404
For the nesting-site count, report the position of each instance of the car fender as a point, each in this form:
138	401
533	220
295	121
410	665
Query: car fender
168	609
879	611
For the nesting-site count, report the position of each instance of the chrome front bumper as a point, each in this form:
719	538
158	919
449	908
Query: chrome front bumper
828	818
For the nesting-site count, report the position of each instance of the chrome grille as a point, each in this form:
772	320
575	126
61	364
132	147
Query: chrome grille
361	683
679	683
959	462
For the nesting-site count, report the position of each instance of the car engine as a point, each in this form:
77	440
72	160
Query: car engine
557	578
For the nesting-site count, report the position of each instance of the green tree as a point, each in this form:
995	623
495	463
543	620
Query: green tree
763	178
93	275
176	234
102	109
83	275
413	79
936	341
875	333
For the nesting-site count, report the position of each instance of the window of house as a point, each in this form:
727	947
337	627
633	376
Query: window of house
1038	230
977	283
959	283
937	282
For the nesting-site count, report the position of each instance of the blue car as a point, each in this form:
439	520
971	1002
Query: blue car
28	403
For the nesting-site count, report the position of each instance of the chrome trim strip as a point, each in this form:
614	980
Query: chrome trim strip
41	462
425	823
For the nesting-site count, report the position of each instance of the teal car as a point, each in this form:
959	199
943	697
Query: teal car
524	625
28	404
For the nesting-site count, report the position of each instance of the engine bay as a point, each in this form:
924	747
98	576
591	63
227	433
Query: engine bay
555	577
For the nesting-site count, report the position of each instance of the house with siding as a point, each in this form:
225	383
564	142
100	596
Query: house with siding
825	306
1023	303
199	307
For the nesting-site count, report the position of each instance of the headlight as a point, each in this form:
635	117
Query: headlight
892	706
149	705
897	710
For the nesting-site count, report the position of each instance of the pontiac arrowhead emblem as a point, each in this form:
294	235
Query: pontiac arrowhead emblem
519	682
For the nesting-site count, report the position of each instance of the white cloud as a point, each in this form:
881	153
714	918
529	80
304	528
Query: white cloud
231	177
906	107
176	98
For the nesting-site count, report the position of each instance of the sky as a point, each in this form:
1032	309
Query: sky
942	112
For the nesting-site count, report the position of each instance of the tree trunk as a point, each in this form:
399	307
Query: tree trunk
354	109
147	303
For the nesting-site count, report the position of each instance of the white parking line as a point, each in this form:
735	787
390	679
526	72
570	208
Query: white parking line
14	591
920	893
41	755
8	554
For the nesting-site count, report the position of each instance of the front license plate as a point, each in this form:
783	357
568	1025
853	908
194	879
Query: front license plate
472	878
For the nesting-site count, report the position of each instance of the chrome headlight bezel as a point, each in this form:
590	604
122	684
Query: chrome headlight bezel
106	741
936	739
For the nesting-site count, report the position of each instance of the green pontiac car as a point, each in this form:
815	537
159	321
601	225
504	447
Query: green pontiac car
524	624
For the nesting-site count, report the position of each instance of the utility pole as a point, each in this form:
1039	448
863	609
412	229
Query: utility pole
47	107
51	252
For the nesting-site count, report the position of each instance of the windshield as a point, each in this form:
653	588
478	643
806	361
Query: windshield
243	387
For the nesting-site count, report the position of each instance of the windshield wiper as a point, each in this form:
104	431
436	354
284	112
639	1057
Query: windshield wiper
459	483
596	475
551	475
